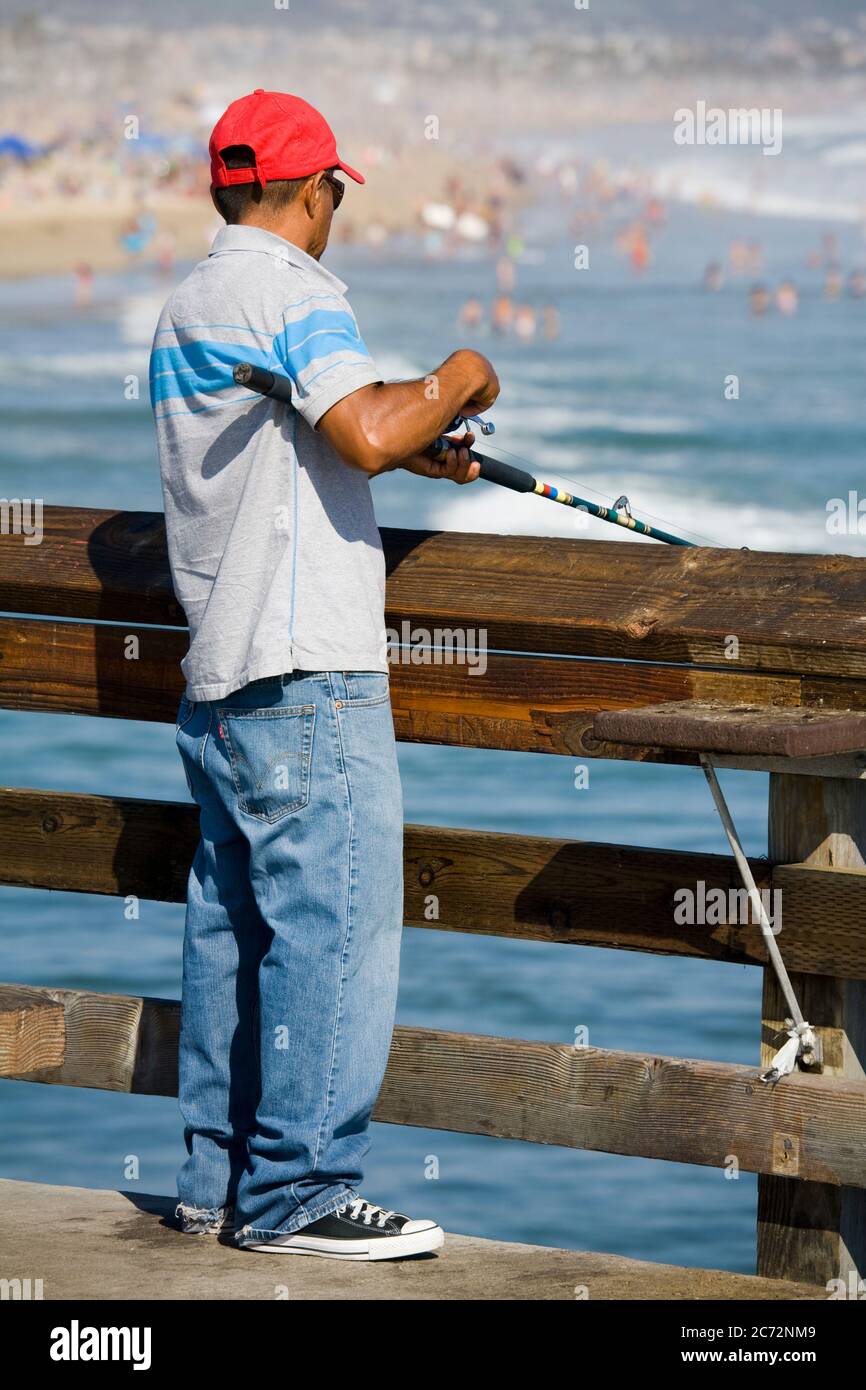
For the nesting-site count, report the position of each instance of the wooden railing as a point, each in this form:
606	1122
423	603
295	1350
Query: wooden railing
581	627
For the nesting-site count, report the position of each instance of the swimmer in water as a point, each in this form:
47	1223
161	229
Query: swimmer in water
471	314
551	322
787	298
502	313
83	285
759	299
857	284
524	321
832	283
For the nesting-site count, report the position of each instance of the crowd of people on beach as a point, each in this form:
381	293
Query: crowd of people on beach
446	209
507	315
746	259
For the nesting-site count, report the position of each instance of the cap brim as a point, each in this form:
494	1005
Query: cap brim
353	173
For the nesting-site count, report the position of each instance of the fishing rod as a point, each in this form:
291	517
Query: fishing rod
492	470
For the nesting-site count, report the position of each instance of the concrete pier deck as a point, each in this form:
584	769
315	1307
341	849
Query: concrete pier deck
86	1243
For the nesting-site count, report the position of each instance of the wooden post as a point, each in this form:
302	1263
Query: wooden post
807	1230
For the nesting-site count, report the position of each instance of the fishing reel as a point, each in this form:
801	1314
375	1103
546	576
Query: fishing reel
474	423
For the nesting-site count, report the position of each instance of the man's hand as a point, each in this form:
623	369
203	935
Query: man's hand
485	398
456	465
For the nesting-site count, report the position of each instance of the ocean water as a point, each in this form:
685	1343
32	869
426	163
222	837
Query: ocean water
629	398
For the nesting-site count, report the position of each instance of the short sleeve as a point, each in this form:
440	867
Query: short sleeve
321	351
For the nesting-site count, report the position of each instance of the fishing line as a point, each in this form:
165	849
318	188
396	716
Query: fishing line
572	482
470	423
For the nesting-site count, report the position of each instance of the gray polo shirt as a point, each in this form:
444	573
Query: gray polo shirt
273	544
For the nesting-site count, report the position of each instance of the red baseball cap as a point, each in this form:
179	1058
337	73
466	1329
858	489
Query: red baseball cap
289	139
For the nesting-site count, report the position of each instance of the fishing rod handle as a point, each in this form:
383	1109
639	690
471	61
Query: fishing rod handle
492	470
505	474
279	388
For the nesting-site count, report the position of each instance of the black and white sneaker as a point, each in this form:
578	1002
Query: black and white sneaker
357	1231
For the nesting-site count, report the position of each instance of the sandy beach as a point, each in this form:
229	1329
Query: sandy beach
107	166
62	233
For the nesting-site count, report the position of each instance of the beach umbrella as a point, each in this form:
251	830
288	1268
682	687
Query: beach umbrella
15	147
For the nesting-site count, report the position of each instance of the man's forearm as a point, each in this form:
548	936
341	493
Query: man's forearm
418	411
380	425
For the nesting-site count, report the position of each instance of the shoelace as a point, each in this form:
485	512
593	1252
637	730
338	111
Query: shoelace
369	1209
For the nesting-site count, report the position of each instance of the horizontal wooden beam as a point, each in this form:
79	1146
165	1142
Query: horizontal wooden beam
630	898
123	672
524	703
80	843
669	1108
788	613
524	887
712	726
547	1093
91	564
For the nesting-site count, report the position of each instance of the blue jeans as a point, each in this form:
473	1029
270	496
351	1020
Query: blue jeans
292	942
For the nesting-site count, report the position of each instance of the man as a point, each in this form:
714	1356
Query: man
294	906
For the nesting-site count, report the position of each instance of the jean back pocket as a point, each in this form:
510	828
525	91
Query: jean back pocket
270	753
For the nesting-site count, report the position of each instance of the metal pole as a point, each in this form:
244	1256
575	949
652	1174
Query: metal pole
754	895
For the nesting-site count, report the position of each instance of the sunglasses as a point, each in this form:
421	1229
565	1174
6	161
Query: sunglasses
338	188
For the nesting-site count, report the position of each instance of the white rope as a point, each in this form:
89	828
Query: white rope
800	1035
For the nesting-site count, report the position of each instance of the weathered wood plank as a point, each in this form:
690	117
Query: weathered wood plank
32	1031
97	844
527	887
583	597
712	726
825	910
617	1102
533	704
580	893
820	1233
91	668
110	1042
91	564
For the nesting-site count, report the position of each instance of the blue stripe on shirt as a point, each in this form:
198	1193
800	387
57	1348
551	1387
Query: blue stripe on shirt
204	366
320	333
190	368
